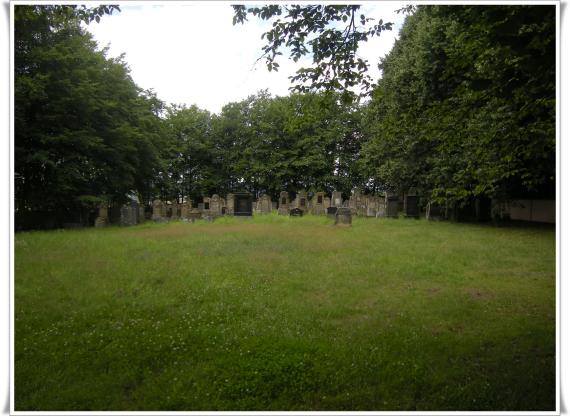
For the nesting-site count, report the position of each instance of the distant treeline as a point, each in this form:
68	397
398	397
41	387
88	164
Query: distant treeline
465	109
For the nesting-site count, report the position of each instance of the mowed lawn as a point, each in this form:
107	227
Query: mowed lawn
278	313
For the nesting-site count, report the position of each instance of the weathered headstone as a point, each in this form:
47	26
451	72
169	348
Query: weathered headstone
175	214
206	202
243	204
283	203
331	212
230	204
318	203
336	199
412	207
327	202
184	210
194	214
302	200
141	217
158	211
343	216
129	213
392	204
215	205
264	204
102	219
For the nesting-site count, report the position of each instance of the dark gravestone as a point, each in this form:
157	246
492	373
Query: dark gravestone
412	207
296	212
243	204
392	207
331	212
343	216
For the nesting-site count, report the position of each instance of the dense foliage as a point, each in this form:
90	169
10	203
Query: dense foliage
465	108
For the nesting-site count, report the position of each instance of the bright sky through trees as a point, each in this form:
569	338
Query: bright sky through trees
190	53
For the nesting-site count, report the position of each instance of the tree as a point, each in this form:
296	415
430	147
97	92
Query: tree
84	131
331	33
466	105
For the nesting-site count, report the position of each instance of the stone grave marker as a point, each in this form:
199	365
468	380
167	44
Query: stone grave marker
102	219
283	203
243	204
331	212
412	207
336	199
318	203
392	204
343	216
264	204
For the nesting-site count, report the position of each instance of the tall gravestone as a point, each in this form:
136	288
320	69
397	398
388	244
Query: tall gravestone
102	219
215	205
336	199
318	203
283	203
158	211
230	204
130	213
264	204
412	207
185	209
175	214
392	204
243	204
302	201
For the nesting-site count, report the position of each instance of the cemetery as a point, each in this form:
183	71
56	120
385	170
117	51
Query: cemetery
370	241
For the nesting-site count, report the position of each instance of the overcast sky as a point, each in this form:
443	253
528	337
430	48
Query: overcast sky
190	53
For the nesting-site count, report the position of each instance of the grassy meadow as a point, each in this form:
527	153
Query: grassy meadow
279	313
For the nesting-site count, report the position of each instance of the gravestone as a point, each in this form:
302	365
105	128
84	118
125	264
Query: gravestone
243	204
194	214
381	209
331	212
392	205
264	204
215	205
142	217
175	215
283	203
185	209
412	207
158	209
336	199
327	202
318	203
302	200
343	216
201	206
102	219
230	204
129	214
296	212
354	202
206	202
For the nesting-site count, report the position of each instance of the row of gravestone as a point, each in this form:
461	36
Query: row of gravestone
242	204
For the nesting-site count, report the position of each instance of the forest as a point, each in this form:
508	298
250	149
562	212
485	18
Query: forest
465	108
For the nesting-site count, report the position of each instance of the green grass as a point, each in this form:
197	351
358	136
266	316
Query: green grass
278	313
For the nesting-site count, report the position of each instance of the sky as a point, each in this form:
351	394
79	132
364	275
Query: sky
190	53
